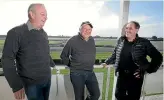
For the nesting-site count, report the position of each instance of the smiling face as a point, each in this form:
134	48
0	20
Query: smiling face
131	30
38	15
85	31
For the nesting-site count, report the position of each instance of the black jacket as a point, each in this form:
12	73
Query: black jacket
140	50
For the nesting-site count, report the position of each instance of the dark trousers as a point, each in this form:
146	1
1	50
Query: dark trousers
38	91
128	87
81	78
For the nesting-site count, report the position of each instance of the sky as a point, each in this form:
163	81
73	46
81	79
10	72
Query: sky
65	16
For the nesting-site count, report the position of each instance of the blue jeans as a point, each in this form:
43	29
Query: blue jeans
39	91
81	78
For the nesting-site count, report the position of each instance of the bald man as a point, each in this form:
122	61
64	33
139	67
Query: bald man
26	57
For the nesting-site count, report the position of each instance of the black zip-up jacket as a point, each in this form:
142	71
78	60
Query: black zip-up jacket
140	50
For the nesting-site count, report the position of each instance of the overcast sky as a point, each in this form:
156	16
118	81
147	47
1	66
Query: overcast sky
65	16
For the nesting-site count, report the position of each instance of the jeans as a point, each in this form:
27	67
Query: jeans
81	78
39	91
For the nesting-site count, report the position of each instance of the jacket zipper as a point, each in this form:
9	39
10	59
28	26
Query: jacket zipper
133	56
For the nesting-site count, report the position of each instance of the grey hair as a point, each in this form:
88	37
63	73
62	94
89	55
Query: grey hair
123	30
32	7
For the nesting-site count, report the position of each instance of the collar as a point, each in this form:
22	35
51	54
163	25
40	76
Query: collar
30	26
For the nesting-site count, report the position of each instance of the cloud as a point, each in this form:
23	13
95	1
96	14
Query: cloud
140	18
65	17
154	29
148	27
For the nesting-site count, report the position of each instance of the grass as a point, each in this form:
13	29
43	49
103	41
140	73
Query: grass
103	55
55	55
106	42
98	70
55	42
99	55
2	42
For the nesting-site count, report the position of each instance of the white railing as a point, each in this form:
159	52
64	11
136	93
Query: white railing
61	85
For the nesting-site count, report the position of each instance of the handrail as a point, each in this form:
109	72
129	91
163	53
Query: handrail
106	84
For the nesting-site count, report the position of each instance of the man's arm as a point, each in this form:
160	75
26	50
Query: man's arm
111	60
66	53
156	57
10	50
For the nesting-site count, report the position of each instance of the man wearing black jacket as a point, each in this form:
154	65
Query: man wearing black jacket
26	57
130	60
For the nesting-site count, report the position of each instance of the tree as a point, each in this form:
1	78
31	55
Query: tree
154	37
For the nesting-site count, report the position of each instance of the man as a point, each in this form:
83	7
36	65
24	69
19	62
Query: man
26	57
130	60
79	54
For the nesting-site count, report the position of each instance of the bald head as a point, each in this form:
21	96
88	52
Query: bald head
37	14
32	8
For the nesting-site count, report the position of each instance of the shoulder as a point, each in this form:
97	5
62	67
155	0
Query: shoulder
72	39
17	30
120	39
143	40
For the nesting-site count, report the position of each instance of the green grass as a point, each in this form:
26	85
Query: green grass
99	55
54	42
106	42
2	42
103	55
55	55
98	70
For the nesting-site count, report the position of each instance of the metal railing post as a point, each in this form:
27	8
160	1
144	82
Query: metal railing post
107	84
143	87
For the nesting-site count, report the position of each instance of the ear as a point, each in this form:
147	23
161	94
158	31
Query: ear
31	14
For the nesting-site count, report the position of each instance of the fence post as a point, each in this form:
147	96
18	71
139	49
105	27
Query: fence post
107	84
57	86
143	88
114	87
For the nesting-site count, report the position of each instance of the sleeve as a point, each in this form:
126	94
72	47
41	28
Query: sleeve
9	53
156	57
65	55
111	59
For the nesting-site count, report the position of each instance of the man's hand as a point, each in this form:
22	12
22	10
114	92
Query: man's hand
137	73
20	94
104	65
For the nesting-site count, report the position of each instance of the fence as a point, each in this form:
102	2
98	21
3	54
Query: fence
62	89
